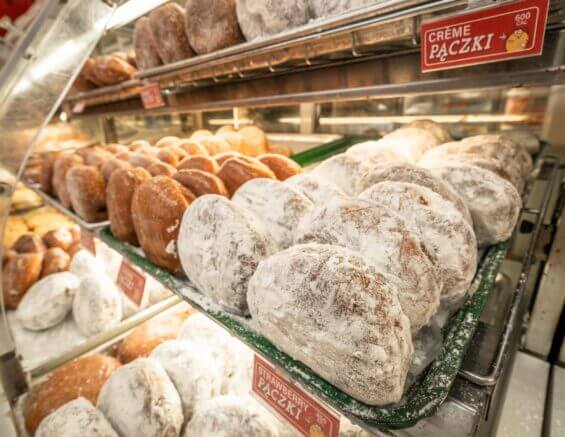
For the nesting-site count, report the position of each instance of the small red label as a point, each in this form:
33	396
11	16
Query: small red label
151	96
78	107
293	404
491	34
131	282
87	241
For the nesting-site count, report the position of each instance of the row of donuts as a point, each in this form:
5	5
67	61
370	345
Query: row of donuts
339	275
172	33
177	374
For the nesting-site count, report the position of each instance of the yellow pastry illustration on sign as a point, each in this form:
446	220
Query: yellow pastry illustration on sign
518	40
316	431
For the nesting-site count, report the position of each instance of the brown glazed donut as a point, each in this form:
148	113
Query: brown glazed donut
282	167
201	182
236	171
55	260
86	188
199	162
60	169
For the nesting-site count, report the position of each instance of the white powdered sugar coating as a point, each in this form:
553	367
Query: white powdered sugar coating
85	263
330	308
414	175
233	357
441	134
376	153
494	202
97	305
193	371
446	235
343	170
409	142
110	259
278	206
523	138
315	188
139	399
382	237
76	418
259	18
220	245
326	8
48	301
231	416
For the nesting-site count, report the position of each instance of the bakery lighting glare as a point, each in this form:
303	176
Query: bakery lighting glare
132	10
230	121
464	118
63	116
55	60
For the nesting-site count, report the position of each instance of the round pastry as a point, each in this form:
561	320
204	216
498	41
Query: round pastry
78	417
225	128
74	248
212	26
7	256
55	260
315	188
343	170
494	202
48	301
46	175
236	171
97	305
234	139
29	243
377	153
146	54
282	167
18	274
161	169
232	416
60	169
84	263
116	149
447	237
383	238
330	308
415	175
147	336
61	238
192	370
138	144
82	377
97	157
199	162
167	26
441	133
110	70
255	141
201	182
259	18
172	155
220	245
119	196
112	165
157	208
166	141
523	138
327	8
214	144
140	159
278	206
87	188
223	157
200	133
139	399
192	147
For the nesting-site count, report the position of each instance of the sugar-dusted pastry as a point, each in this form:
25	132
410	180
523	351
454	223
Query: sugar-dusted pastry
256	142
60	168
18	274
201	182
55	260
167	26
86	188
62	238
344	170
111	166
234	172
199	162
29	243
282	167
318	190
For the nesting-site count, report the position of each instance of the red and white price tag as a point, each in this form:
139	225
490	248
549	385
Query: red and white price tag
131	282
78	107
494	33
87	241
293	404
151	96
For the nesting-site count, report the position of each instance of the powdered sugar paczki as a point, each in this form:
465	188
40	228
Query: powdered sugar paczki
343	170
315	188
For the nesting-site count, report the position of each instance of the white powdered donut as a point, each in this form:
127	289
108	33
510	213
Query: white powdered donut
315	188
97	305
139	399
330	308
409	142
48	301
84	263
76	418
414	175
193	371
444	232
441	134
278	206
382	237
494	202
259	18
376	153
523	138
327	8
231	416
232	356
343	170
220	245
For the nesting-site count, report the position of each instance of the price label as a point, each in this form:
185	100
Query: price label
87	241
151	96
491	34
294	405
78	107
131	282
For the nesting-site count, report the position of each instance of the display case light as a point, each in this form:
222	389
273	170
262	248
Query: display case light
403	119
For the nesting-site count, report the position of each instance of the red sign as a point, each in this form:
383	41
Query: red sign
78	107
495	33
297	407
131	282
87	241
151	96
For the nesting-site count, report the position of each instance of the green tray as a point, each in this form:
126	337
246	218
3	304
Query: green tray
317	154
422	399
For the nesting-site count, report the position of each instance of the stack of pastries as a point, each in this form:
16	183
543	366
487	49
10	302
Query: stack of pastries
177	374
105	70
341	266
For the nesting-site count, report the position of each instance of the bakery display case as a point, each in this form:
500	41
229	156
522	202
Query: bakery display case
311	207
